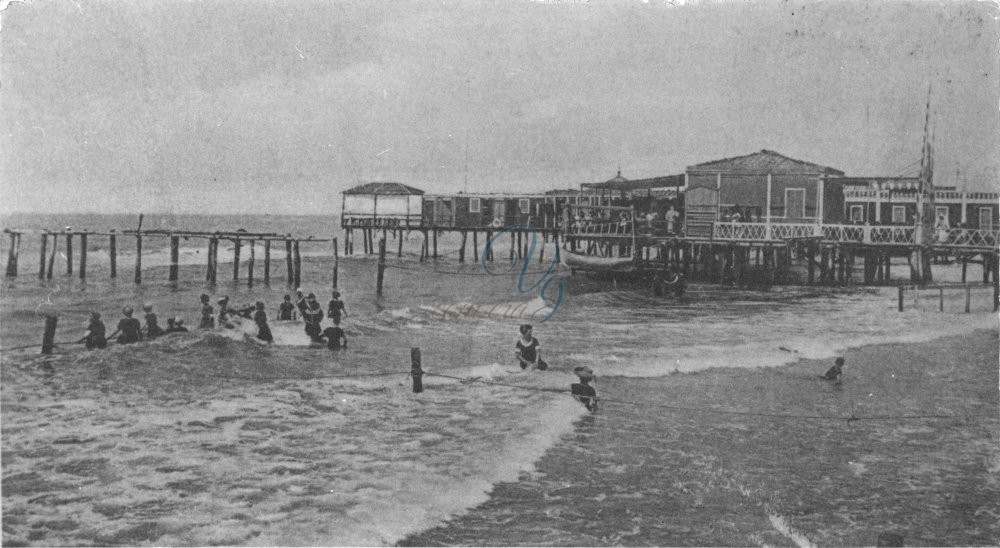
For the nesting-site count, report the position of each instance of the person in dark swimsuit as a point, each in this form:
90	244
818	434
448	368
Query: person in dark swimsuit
582	391
94	338
334	335
312	313
528	350
153	328
286	310
836	372
129	328
260	318
207	313
336	308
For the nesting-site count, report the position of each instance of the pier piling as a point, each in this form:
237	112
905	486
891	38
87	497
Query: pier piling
381	267
49	336
12	255
83	255
289	265
113	250
267	260
175	243
69	253
298	263
44	240
336	262
415	370
52	256
250	263
237	244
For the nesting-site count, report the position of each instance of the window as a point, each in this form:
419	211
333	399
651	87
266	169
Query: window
475	205
899	215
795	203
524	205
857	213
985	218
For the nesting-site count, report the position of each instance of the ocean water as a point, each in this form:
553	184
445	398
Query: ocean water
212	438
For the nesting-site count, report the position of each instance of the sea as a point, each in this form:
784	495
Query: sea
210	437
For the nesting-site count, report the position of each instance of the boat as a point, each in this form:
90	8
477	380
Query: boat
592	263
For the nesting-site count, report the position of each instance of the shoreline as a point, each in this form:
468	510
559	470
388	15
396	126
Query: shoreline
678	477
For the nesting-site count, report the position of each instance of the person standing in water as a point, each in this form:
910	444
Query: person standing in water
582	391
528	350
129	328
334	335
286	310
207	313
260	318
94	338
336	308
312	313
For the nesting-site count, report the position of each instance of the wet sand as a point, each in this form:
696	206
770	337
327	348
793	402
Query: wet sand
672	462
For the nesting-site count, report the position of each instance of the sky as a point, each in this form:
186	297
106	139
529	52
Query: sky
277	107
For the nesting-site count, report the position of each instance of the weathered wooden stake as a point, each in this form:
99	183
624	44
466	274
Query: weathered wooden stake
461	250
475	244
175	245
250	263
69	253
364	239
52	256
415	371
336	262
138	258
49	337
289	266
399	242
381	267
298	264
42	257
267	260
968	299
901	298
83	255
12	256
237	244
113	249
435	243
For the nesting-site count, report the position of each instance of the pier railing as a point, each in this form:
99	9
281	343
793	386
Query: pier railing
959	238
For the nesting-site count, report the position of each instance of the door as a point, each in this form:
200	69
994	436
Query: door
986	218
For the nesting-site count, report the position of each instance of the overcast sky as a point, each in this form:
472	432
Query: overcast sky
278	106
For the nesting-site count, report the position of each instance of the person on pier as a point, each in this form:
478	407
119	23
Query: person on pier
335	308
129	329
260	318
334	335
312	313
528	350
286	310
671	217
582	391
94	338
207	313
152	328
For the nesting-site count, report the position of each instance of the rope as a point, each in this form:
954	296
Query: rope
849	419
291	377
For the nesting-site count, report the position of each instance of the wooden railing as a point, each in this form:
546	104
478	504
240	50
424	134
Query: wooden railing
864	234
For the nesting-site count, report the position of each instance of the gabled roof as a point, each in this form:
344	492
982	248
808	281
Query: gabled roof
384	189
763	162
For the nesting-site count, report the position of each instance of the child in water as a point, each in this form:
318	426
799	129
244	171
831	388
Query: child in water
335	308
286	310
153	328
94	338
334	335
129	327
207	313
528	350
582	391
835	372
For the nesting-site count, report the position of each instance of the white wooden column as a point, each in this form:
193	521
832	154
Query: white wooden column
965	206
878	205
819	200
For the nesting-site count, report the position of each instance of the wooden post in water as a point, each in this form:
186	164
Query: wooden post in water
941	301
267	259
435	243
415	371
175	244
52	256
298	264
237	244
289	266
41	256
69	253
83	255
381	267
250	263
12	256
336	262
901	298
475	244
49	337
364	239
461	250
968	298
995	258
208	260
138	258
399	241
113	249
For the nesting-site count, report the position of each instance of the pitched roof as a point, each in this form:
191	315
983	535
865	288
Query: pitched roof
384	189
765	161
